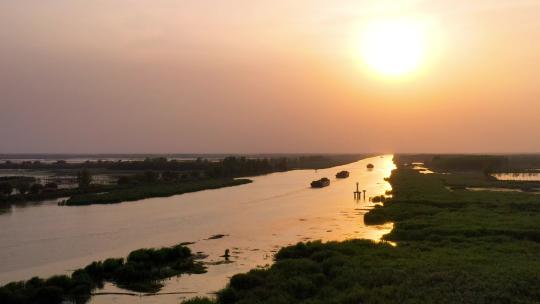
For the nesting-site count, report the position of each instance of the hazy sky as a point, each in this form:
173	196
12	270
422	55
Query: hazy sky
263	76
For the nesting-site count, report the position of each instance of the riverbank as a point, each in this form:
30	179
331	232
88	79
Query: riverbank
453	246
57	193
152	190
111	194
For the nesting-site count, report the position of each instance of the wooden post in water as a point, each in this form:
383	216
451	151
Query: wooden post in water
364	194
357	193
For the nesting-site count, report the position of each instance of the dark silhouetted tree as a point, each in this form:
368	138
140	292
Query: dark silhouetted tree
6	189
170	176
51	186
36	188
23	187
150	176
125	180
84	178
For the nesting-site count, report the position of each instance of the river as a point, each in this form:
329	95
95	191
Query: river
257	219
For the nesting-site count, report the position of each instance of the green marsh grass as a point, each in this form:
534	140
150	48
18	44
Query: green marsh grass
452	247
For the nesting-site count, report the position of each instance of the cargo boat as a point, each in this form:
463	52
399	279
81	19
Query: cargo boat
342	174
323	182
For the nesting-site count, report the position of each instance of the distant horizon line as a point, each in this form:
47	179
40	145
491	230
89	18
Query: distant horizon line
74	154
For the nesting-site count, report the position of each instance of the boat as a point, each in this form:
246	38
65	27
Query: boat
342	174
323	182
370	166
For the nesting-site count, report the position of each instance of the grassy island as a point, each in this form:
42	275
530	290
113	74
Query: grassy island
152	190
142	271
452	246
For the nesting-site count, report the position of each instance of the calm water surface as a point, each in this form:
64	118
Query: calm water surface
531	176
274	211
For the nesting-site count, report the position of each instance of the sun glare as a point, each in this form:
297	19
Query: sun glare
394	47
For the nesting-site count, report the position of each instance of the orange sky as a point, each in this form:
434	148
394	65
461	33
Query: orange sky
263	76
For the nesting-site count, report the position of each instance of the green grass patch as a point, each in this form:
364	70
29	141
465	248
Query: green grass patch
453	246
142	271
143	191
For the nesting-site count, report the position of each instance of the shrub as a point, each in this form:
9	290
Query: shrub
6	188
51	186
246	281
36	188
23	187
198	300
49	295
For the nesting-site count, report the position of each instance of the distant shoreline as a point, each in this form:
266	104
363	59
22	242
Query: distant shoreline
146	178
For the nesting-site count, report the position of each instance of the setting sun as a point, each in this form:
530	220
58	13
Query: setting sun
160	152
394	47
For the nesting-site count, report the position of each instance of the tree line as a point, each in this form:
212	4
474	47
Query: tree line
162	163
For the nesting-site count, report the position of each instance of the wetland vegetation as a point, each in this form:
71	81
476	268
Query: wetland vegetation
142	271
474	162
447	245
226	165
452	246
151	177
152	190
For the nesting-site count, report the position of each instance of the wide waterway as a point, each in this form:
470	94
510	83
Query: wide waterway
257	219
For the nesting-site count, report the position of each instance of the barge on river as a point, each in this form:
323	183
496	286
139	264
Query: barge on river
342	174
321	183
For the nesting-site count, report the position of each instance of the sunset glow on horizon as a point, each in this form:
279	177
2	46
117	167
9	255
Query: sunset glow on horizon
221	76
